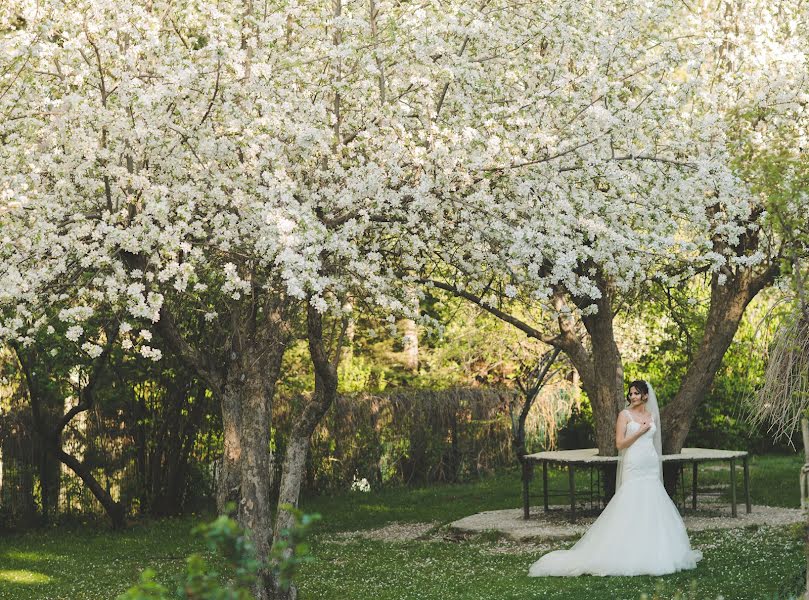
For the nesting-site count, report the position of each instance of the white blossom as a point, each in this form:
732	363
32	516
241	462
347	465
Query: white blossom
74	332
94	350
541	142
153	353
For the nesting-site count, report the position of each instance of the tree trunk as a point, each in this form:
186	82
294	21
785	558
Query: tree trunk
410	342
39	392
50	485
255	513
229	480
307	420
259	334
114	510
304	425
605	386
728	303
261	356
347	351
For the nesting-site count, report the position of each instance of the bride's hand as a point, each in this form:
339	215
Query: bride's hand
644	427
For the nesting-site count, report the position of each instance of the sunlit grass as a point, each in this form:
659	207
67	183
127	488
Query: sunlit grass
23	576
742	564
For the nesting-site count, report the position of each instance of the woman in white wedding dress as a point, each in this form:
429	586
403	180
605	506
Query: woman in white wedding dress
640	532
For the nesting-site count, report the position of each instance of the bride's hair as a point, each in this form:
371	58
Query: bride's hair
639	385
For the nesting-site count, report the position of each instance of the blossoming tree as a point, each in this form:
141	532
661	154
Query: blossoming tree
653	183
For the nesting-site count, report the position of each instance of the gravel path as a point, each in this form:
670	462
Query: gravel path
393	532
554	526
543	528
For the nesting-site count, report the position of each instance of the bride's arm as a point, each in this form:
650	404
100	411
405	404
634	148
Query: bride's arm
623	441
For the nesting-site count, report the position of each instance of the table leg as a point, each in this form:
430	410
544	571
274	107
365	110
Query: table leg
571	474
545	484
598	489
733	487
747	485
525	496
694	487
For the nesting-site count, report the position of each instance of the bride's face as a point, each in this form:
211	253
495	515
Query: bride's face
635	397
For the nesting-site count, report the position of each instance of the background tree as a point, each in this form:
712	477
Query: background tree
663	202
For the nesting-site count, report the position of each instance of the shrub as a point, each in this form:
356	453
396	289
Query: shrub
202	581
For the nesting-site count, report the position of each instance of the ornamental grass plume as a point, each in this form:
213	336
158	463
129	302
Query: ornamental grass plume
784	397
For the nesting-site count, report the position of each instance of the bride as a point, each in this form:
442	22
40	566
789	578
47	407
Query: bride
640	532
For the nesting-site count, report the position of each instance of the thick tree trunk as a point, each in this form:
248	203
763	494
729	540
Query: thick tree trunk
728	303
50	485
229	481
255	512
605	386
261	356
259	334
602	378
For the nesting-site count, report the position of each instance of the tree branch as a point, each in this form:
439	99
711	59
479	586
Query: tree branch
191	356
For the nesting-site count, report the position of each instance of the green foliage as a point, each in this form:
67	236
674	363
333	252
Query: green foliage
411	436
360	373
223	536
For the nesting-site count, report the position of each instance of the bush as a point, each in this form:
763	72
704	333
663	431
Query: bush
202	581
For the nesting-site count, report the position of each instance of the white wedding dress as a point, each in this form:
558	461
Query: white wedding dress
640	532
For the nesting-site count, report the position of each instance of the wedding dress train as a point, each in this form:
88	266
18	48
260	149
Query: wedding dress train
640	532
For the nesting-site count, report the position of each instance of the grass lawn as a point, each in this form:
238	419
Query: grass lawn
91	563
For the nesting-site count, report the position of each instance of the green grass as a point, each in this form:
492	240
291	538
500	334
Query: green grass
91	563
95	564
739	565
773	480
